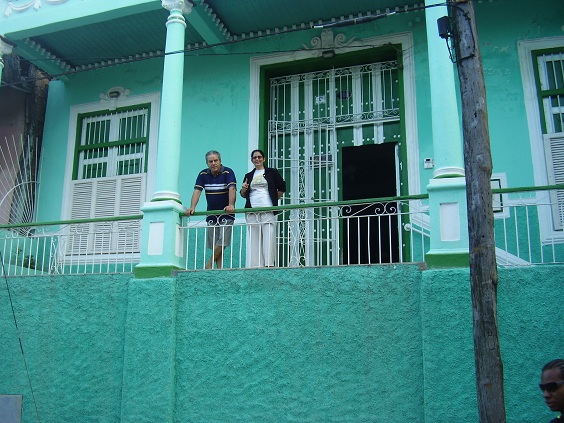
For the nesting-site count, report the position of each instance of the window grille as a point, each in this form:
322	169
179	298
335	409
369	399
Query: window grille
312	116
113	144
550	67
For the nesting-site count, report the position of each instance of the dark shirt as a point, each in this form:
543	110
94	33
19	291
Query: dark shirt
275	183
217	190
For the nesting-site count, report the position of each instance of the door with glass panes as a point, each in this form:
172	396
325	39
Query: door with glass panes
319	122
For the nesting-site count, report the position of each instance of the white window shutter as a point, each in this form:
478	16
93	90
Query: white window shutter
106	197
554	151
132	195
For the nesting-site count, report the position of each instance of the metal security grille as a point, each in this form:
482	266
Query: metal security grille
113	144
551	92
312	116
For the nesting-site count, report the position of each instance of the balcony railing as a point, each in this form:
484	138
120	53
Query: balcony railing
71	247
375	231
528	225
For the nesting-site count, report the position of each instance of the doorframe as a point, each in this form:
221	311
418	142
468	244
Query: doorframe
405	39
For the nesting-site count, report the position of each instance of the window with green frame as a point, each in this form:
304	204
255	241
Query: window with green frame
109	177
549	75
112	144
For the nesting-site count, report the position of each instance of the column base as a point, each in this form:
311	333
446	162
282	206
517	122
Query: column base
445	259
150	272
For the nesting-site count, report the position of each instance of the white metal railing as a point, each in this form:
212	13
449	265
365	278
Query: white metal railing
320	234
77	247
524	226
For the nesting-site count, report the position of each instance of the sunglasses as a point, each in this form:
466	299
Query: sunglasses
550	386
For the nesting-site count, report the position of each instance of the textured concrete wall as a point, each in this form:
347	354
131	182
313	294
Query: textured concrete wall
72	332
359	344
308	345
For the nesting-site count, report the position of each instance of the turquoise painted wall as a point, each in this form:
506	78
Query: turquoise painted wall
83	88
358	344
499	47
216	93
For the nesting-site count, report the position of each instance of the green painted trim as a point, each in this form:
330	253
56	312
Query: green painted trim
156	200
527	189
81	116
450	260
151	272
70	222
316	205
541	94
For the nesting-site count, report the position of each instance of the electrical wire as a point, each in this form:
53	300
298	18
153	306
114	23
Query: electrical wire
331	24
19	337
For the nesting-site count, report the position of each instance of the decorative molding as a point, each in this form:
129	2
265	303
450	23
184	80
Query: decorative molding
328	41
47	55
215	19
36	4
113	96
185	6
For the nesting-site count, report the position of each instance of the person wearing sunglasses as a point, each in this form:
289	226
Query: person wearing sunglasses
552	387
262	187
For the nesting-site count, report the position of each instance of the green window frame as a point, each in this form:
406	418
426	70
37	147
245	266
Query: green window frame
549	78
112	143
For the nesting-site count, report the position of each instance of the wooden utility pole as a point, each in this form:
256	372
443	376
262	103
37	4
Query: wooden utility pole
478	169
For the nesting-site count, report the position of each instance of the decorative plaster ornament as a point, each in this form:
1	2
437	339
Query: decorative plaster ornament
16	6
184	6
328	41
114	95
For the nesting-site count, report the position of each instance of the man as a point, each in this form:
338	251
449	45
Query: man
552	387
220	185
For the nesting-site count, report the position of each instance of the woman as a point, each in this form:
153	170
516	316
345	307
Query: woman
262	187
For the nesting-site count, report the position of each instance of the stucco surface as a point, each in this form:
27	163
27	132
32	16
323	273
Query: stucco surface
355	344
72	331
303	345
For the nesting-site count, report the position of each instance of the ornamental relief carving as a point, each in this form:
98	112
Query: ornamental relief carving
22	6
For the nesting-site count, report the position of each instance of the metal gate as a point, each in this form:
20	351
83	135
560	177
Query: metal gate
312	116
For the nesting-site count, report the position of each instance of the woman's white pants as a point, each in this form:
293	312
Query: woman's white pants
261	239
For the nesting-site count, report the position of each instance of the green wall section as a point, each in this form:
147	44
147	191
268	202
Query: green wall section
300	345
362	343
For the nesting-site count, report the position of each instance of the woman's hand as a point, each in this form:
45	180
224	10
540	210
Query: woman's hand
244	188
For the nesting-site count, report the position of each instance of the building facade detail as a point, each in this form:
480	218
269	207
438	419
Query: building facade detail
35	4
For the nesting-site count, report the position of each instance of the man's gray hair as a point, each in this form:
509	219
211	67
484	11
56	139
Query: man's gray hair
209	153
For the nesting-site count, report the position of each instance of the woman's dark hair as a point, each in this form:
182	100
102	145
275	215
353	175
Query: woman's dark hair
555	364
257	151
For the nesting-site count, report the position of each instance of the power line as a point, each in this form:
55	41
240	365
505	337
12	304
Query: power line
19	338
327	25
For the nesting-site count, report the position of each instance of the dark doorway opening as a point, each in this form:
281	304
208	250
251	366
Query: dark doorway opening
370	231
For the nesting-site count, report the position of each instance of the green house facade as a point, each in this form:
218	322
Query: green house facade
367	316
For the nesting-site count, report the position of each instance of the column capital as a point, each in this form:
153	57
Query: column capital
185	6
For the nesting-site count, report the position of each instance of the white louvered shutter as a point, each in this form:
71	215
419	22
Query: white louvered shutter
106	197
554	151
